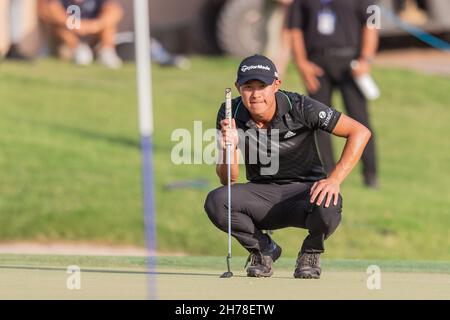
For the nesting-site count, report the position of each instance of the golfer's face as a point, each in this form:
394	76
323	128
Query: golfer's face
257	96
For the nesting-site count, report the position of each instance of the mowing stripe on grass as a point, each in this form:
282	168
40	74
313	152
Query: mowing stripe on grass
212	263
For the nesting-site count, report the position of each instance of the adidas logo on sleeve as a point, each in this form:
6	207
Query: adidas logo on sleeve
289	134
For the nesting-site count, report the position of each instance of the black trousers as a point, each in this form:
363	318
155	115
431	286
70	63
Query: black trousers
262	206
337	74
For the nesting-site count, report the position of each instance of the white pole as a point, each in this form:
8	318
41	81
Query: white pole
143	65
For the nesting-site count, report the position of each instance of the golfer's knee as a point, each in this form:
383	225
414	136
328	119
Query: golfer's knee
330	217
215	207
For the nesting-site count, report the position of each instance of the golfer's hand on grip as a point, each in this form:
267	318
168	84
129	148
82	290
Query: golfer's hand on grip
229	135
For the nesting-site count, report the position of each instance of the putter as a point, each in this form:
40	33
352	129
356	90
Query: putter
228	274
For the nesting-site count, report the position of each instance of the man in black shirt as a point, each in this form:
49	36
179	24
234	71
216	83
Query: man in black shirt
327	36
292	189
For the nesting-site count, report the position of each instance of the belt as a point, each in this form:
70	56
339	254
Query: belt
343	52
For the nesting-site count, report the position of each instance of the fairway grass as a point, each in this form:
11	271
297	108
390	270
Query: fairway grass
191	278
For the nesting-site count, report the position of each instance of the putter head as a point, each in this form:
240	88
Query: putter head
227	274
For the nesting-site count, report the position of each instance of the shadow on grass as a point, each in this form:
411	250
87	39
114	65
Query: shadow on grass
96	135
130	272
89	134
81	132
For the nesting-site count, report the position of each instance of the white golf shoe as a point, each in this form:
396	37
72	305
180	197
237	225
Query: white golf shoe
83	55
109	58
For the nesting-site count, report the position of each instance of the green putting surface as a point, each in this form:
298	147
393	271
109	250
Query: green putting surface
45	277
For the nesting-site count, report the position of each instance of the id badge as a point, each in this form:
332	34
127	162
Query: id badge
326	22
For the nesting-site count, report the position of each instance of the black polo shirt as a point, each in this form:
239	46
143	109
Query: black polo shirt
296	120
350	17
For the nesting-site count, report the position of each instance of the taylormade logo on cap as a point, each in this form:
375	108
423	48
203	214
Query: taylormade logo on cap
257	67
246	68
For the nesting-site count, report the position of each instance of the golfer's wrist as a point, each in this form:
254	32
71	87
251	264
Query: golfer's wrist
233	160
337	176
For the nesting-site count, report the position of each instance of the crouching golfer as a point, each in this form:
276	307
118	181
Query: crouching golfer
290	190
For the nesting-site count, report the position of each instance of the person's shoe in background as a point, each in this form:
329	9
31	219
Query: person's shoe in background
371	181
181	62
83	55
162	57
109	58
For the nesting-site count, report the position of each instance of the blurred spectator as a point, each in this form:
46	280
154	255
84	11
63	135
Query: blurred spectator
327	36
97	28
164	58
278	41
411	11
13	27
160	55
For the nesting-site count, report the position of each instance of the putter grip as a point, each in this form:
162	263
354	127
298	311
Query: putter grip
228	105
